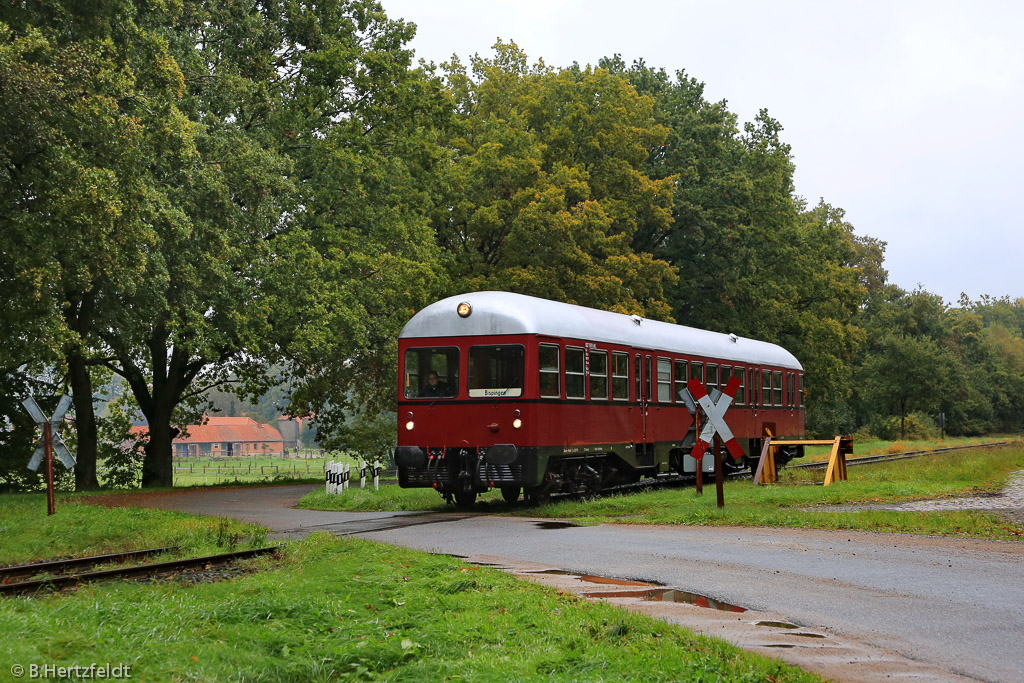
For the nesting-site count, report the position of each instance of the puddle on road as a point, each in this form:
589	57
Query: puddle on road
776	624
555	525
808	635
604	580
670	595
779	645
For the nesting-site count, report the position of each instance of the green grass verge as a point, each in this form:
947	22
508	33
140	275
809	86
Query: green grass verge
790	503
390	498
29	534
343	609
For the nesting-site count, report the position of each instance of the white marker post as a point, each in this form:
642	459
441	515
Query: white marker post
376	476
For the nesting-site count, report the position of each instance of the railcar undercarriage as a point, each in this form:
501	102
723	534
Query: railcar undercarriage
460	474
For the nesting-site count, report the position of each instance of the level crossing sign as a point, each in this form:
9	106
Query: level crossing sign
715	410
54	422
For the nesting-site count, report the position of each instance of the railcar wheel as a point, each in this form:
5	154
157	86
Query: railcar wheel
536	495
465	499
510	493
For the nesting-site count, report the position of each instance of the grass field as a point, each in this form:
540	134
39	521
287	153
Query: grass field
793	502
29	534
334	609
205	471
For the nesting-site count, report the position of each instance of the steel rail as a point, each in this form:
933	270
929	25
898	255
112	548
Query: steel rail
62	566
137	570
868	459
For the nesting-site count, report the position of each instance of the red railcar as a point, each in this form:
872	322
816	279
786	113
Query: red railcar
520	393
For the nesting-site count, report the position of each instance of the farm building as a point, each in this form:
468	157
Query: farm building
226	436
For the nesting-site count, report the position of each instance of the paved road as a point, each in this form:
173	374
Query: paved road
955	604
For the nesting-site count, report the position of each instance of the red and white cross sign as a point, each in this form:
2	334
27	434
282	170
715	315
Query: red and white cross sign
716	418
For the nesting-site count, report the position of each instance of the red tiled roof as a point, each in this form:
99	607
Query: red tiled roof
223	430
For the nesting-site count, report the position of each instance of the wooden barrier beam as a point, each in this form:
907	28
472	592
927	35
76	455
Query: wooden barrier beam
836	464
766	472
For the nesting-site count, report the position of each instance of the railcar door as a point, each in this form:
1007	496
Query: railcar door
640	403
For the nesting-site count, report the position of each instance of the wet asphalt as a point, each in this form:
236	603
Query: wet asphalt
957	604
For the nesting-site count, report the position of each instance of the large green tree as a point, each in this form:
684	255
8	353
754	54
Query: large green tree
272	176
546	192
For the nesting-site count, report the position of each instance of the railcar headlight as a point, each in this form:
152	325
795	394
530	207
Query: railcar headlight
464	309
409	425
517	423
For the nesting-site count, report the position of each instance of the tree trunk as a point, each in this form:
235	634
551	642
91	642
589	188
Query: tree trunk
85	422
157	466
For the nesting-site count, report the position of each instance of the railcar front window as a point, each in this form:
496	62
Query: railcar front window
712	374
574	373
496	371
620	376
741	397
664	380
778	387
431	373
800	379
550	383
766	387
599	375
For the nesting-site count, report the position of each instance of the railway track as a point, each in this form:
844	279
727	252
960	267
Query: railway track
869	459
65	573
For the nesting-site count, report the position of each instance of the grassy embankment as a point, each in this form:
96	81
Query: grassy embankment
331	609
793	502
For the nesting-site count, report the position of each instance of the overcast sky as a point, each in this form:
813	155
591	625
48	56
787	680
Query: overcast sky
908	115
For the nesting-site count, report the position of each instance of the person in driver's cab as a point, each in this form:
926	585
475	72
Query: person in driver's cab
434	386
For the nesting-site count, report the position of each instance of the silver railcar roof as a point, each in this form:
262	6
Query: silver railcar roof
499	313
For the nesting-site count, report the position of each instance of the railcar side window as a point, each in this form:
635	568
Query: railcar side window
766	387
664	380
431	373
620	376
697	371
574	373
741	396
550	381
599	375
680	377
712	374
778	387
496	371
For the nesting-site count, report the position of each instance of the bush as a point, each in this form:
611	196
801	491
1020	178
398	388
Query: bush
915	426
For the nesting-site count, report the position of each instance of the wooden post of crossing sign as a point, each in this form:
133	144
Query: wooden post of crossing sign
715	429
51	442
